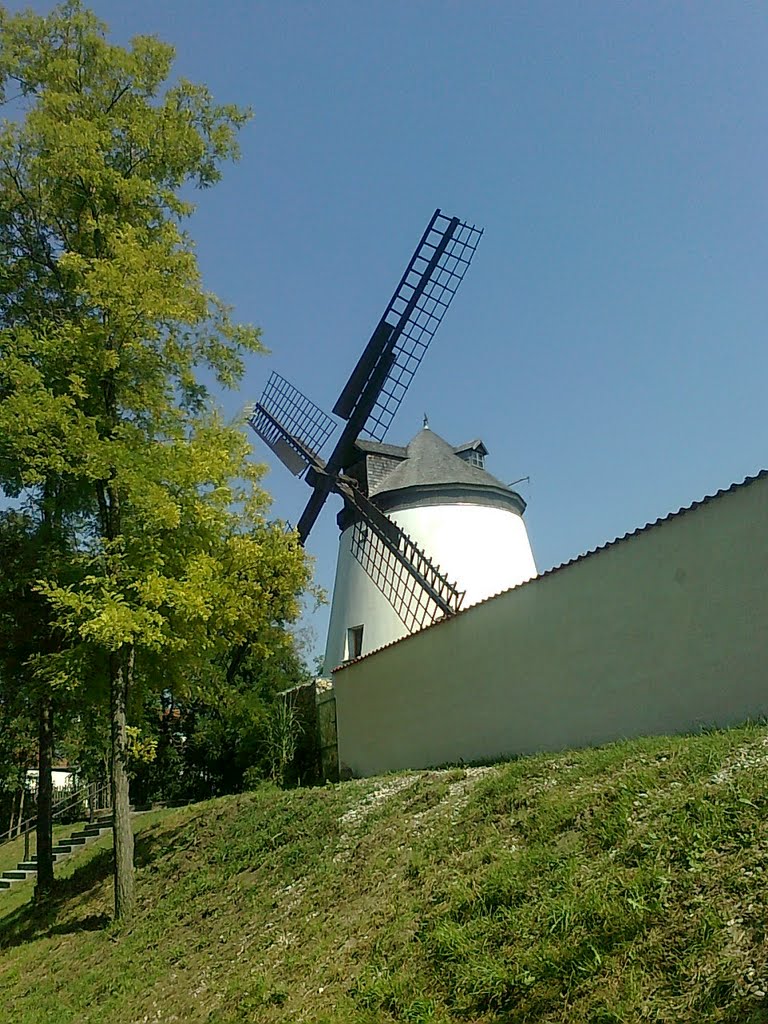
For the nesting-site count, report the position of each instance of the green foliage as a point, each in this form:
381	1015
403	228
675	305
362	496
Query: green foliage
28	546
282	736
155	557
220	744
106	330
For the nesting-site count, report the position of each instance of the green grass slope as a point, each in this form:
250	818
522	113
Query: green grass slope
626	883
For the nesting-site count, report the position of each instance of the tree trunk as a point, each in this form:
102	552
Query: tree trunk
120	677
45	802
120	671
22	793
12	821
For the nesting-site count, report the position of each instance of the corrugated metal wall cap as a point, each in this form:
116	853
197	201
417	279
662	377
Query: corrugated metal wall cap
761	475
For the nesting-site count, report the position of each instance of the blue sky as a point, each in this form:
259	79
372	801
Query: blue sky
609	339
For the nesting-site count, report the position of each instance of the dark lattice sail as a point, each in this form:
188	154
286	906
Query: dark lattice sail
297	430
416	588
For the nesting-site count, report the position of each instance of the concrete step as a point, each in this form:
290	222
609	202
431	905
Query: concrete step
80	837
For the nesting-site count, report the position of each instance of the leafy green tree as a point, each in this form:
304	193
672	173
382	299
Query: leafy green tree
19	633
107	328
29	645
208	745
17	750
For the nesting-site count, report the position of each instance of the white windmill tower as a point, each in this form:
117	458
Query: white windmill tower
444	500
414	518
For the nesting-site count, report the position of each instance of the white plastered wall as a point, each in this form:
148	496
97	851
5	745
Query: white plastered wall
484	550
61	778
663	632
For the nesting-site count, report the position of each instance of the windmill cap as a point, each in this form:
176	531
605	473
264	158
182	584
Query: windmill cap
428	471
429	459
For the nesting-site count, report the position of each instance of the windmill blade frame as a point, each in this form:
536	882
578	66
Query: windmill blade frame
410	321
379	381
419	592
289	449
284	407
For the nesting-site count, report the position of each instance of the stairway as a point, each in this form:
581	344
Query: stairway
62	849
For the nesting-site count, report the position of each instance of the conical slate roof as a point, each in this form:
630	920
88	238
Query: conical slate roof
432	461
428	471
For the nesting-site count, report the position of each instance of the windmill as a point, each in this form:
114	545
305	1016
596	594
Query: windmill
297	430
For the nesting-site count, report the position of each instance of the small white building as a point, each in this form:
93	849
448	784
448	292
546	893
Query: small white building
466	521
62	779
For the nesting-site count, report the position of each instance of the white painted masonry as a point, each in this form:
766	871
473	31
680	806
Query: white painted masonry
664	631
483	549
62	778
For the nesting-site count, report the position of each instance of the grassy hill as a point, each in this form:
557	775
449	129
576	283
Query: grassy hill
626	883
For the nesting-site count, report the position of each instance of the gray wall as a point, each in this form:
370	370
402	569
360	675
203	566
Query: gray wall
662	632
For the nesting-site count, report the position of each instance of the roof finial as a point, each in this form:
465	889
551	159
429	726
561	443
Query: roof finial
426	422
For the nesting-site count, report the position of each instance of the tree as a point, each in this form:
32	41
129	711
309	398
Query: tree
106	330
29	640
218	743
17	748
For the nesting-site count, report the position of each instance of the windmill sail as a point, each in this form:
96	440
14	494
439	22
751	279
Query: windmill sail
292	425
417	589
410	321
379	381
401	572
284	445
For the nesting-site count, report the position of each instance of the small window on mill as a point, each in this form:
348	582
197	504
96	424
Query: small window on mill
473	457
354	642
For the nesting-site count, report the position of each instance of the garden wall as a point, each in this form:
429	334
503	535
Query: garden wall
665	630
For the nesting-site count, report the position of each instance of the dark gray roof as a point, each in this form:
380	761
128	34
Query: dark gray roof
431	460
379	448
471	446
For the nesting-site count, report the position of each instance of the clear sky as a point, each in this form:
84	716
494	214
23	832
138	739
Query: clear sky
609	338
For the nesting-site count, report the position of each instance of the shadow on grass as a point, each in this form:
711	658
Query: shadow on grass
42	919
